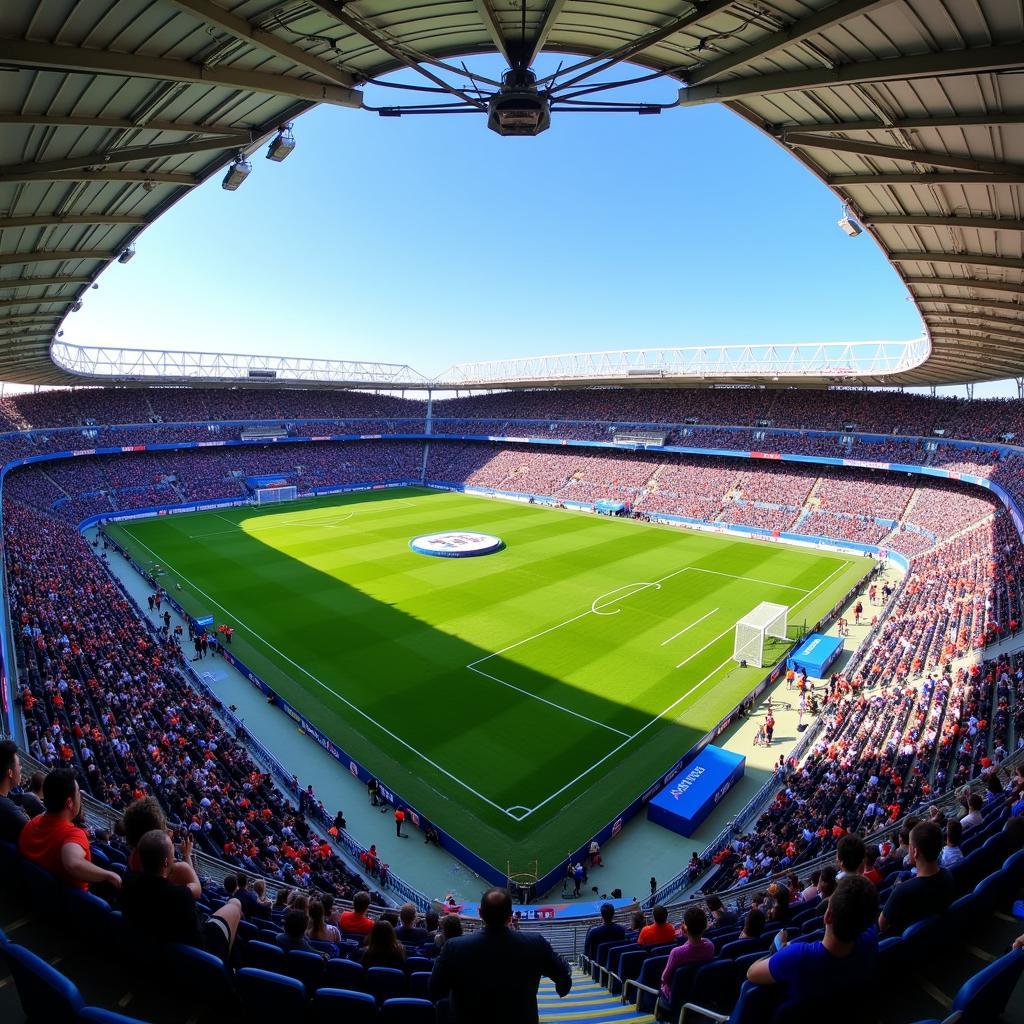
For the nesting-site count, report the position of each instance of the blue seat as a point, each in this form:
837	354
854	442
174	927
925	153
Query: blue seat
419	985
962	913
331	1005
201	975
741	947
344	974
47	997
97	1015
324	946
265	957
921	936
650	975
404	1010
269	998
89	915
715	986
983	998
630	966
46	893
418	963
306	967
756	1004
680	989
1014	867
9	858
386	983
247	931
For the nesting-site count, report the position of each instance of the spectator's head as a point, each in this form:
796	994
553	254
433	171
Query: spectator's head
316	917
35	784
954	832
870	857
695	922
753	924
360	902
827	881
993	783
142	816
156	853
230	884
852	908
975	802
1014	829
714	905
850	853
925	844
61	795
496	907
451	927
607	913
242	879
660	914
327	902
382	940
260	888
10	766
637	921
407	915
431	919
295	923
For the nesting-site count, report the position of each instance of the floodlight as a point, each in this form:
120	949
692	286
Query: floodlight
848	224
237	173
283	143
127	255
519	109
77	306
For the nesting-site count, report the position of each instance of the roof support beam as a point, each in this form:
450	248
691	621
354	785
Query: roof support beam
37	301
957	282
535	45
970	318
8	284
967	259
241	135
986	336
976	60
121	156
982	304
490	19
908	124
842	180
984	223
107	62
54	256
242	29
914	156
56	218
776	41
157	177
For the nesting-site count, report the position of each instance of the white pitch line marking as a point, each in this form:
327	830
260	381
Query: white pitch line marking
750	579
598	608
321	683
686	629
544	700
710	643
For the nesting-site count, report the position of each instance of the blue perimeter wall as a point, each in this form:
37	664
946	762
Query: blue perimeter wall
486	870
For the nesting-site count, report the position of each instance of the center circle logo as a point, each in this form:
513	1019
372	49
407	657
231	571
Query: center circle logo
456	544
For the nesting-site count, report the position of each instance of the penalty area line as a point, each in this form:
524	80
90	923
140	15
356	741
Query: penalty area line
686	629
309	675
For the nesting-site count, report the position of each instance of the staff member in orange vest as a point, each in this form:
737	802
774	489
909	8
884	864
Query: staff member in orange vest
399	822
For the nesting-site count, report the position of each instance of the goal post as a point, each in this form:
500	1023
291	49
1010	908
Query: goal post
766	620
274	495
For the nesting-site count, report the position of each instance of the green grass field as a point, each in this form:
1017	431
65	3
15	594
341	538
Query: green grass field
518	699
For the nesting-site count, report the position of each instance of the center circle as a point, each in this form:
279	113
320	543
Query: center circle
456	544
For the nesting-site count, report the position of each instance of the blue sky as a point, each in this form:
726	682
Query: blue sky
430	240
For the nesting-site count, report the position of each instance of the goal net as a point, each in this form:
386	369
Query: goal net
766	620
273	495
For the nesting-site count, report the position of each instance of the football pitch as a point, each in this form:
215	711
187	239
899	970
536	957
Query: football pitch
520	699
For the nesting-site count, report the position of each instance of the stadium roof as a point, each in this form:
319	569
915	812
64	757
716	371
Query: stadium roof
911	110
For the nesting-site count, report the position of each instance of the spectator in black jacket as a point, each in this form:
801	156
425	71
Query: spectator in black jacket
606	931
407	933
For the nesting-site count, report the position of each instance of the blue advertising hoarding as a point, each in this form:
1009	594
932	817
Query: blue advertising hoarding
816	654
691	797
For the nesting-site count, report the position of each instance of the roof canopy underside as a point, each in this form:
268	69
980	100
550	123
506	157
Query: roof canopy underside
911	110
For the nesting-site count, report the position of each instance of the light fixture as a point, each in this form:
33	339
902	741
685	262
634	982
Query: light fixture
77	306
237	173
282	144
127	255
848	224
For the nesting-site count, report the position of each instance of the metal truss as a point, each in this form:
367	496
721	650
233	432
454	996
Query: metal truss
836	360
128	365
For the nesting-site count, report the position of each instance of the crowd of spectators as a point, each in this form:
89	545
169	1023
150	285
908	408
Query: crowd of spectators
102	692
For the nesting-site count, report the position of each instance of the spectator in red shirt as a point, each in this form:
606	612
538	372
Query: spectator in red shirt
658	933
55	843
356	920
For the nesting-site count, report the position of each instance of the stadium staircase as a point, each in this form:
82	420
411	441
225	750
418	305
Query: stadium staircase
587	1003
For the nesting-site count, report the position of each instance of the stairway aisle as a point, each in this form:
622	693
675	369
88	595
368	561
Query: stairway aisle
587	1003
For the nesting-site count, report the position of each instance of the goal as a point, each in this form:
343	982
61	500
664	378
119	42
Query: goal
273	495
766	620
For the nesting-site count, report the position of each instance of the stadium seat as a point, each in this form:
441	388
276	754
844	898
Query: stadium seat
418	963
201	975
265	956
682	985
648	983
983	998
306	967
247	930
269	998
336	1005
630	966
344	974
386	983
922	935
97	1015
419	985
9	858
47	997
715	985
44	890
741	947
405	1010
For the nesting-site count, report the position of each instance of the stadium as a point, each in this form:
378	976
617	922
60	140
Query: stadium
708	657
